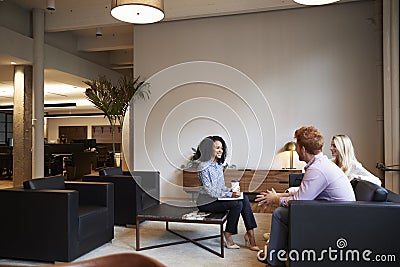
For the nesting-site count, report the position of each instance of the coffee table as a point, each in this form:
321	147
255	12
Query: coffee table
168	213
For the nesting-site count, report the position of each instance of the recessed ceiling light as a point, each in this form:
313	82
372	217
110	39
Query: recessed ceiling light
13	63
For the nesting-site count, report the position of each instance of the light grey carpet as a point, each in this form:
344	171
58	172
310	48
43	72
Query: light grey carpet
152	233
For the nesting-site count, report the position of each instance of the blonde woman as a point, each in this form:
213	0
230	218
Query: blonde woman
344	157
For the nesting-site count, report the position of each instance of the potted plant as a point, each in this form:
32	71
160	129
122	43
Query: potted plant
113	99
192	163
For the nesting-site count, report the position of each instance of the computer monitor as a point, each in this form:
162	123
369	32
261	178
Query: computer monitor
64	148
91	143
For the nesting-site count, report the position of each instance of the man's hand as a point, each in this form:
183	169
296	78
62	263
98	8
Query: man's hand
267	198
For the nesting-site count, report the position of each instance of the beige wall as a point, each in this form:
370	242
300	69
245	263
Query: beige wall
313	66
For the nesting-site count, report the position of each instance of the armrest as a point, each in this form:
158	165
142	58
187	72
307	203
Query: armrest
122	183
93	193
149	181
362	224
393	197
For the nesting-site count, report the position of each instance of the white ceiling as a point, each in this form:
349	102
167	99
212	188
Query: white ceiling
82	18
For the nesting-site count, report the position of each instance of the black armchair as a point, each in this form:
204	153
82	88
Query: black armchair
358	233
51	220
134	191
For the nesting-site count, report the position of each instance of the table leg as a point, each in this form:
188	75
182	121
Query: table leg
221	230
137	234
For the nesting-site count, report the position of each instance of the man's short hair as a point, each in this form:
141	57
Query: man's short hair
310	138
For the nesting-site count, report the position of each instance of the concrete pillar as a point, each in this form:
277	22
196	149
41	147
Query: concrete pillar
391	91
380	150
38	94
22	124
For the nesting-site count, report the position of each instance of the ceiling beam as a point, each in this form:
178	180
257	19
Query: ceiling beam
175	10
81	15
105	43
121	57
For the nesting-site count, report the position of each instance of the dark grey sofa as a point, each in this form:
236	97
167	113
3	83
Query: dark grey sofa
346	230
50	220
134	191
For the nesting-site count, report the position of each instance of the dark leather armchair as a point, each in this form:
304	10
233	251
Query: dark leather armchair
134	191
323	233
295	179
50	220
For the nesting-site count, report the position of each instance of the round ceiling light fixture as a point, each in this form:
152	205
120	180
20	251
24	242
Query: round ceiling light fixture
315	2
138	12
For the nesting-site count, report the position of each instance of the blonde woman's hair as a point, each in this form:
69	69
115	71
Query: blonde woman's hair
345	148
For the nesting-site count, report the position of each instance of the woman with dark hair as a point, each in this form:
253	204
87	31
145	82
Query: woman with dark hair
211	153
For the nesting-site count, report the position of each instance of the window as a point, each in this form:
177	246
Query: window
6	128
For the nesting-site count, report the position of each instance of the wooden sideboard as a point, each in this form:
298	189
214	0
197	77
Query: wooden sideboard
251	181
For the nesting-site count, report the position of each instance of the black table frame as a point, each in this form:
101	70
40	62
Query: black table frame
167	213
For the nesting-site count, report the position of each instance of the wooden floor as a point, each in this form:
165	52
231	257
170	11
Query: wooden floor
6	184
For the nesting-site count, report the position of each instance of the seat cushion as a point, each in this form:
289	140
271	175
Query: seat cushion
53	182
367	191
92	220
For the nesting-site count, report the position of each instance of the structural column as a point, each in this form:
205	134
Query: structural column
38	94
391	91
127	142
22	124
380	149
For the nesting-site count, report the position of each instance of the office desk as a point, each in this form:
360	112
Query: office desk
6	165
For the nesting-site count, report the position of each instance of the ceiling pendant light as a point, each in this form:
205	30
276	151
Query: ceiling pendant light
315	2
139	11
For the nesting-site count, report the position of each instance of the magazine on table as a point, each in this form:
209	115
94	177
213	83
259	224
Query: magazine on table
195	215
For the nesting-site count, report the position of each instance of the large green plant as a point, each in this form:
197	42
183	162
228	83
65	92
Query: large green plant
113	99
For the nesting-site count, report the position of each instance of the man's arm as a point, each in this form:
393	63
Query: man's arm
311	186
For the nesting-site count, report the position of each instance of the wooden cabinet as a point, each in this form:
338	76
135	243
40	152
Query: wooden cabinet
72	133
190	179
250	180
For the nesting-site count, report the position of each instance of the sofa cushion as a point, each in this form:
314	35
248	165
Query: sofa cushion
53	182
111	171
92	220
367	191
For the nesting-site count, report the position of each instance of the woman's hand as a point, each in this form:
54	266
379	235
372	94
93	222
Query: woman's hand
235	194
